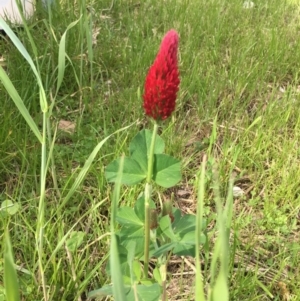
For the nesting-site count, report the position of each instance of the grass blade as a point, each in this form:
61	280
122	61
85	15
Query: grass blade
87	166
62	55
24	52
10	88
10	275
116	272
199	290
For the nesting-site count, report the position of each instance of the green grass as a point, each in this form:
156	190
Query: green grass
234	63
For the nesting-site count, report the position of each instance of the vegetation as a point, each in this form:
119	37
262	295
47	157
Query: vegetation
237	113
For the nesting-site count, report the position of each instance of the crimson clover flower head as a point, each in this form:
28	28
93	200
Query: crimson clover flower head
162	81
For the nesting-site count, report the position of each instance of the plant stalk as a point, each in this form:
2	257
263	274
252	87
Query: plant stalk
41	209
148	189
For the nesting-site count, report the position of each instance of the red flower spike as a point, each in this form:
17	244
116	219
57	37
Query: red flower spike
162	81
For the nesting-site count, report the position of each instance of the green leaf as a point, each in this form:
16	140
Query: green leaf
184	250
181	233
62	55
104	291
177	214
114	258
75	240
132	229
189	238
126	236
9	207
157	276
123	262
24	52
163	249
133	232
126	216
116	271
132	172
140	146
166	171
11	90
81	176
220	289
10	275
145	292
130	252
185	224
166	228
139	207
186	245
137	270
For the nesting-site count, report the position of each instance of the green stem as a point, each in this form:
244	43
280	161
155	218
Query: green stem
148	189
151	154
53	167
41	210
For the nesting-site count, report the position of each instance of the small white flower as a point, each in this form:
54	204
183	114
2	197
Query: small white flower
248	4
237	191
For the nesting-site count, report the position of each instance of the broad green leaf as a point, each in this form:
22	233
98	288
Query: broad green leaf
10	275
185	224
137	270
163	249
132	232
157	276
177	215
130	252
177	248
123	262
104	291
184	250
134	265
166	228
166	171
75	240
126	216
139	207
127	235
11	90
189	238
145	293
142	141
132	172
9	207
132	229
140	145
